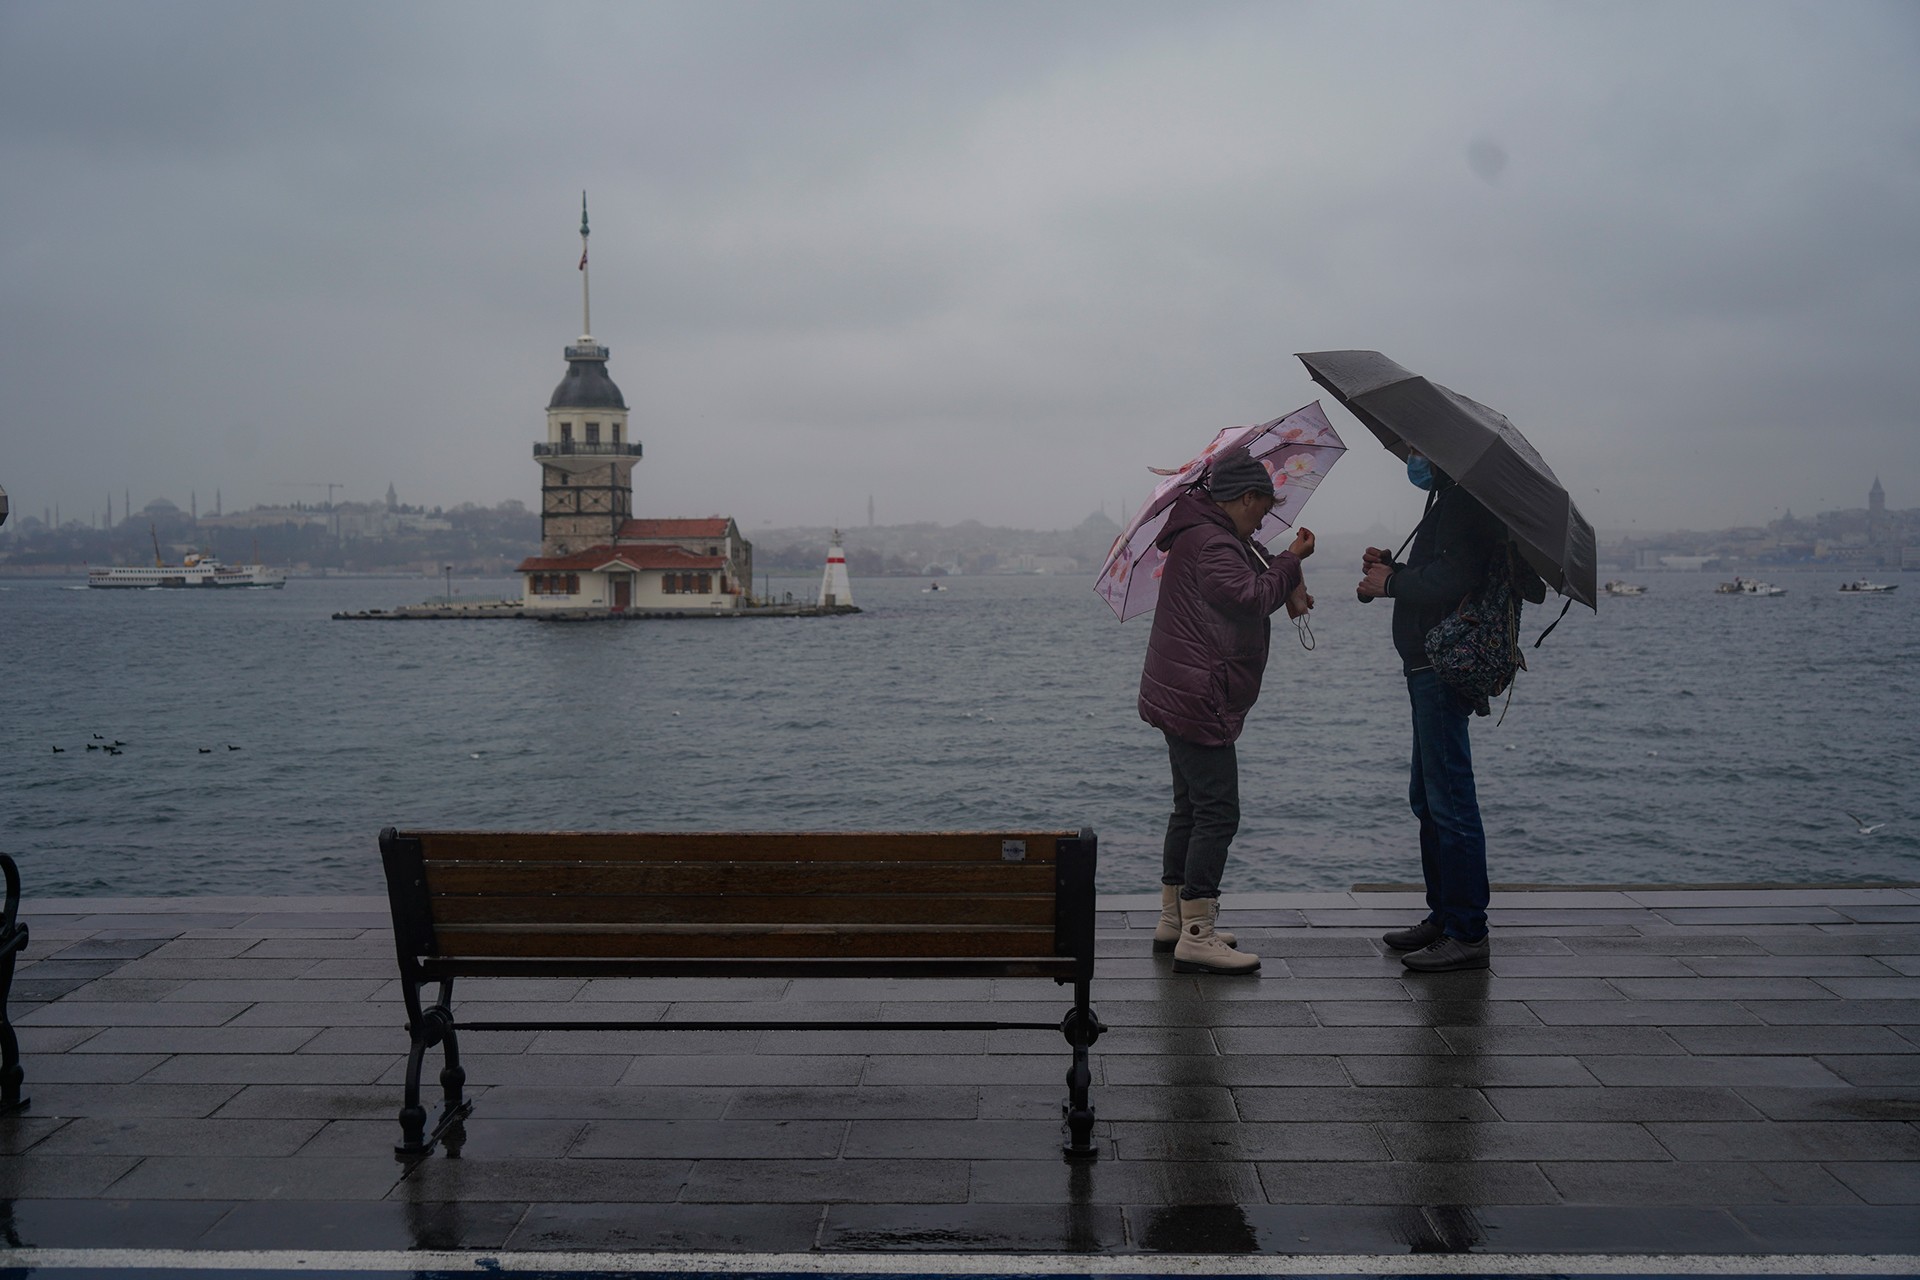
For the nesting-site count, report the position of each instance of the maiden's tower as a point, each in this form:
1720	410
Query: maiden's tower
594	556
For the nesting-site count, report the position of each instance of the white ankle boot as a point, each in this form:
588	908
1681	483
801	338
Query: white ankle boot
1200	948
1167	932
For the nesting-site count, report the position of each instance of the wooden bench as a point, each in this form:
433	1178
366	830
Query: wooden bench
580	904
13	940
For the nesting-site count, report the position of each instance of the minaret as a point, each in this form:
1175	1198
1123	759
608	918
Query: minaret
586	461
1876	512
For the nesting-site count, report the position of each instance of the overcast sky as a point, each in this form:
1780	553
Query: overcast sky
977	259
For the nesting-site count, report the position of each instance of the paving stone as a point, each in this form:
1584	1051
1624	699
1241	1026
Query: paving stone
1804	1041
322	1101
1783	914
346	1225
109	1224
1668	1069
38	1042
290	989
1630	1105
1340	1041
1587	966
197	968
231	1177
483	1137
1058	1181
1839	1229
115	990
390	1039
1423	1141
223	1040
1211	1013
441	1180
1363	1104
269	1068
1725	988
572	1101
1887	914
1875	1069
90	1068
1696	1182
931	1102
19	1132
111	1013
1422	1013
1558	1041
1879	1182
826	1181
1801	966
1646	1013
1022	1102
98	948
504	1068
60	1176
629	1043
1470	1072
1461	986
1030	1068
738	1011
343	1013
1848	942
1207	1142
974	1228
321	948
1601	1229
1830	1012
710	1139
907	990
731	1228
1894	988
1202	1070
1151	1102
1440	1182
1278	1229
712	1069
1909	965
1790	1140
1851	1103
957	1140
178	1136
112	1098
1669	944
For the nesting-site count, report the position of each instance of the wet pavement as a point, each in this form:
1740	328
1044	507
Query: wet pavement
1640	1072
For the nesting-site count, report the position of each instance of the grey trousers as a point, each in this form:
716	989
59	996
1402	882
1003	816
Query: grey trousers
1206	813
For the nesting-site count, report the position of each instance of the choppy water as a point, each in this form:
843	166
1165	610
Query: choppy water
1680	736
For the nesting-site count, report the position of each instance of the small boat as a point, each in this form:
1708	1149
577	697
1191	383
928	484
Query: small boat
1861	587
931	586
1619	588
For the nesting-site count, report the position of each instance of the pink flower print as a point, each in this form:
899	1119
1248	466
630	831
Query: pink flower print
1299	464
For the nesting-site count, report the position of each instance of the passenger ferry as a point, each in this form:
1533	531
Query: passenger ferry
194	571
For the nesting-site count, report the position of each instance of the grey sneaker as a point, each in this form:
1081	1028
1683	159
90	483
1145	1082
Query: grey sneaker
1449	954
1424	934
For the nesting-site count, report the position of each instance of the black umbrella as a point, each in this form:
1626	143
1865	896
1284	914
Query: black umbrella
1479	448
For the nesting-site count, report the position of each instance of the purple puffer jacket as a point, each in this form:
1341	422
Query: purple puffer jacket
1210	628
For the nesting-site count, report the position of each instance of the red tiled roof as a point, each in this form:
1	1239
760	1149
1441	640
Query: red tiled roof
711	527
594	559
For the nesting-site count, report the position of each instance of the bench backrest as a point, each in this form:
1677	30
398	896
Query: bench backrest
744	895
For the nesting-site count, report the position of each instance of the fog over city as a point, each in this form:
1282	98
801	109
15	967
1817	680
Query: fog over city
977	260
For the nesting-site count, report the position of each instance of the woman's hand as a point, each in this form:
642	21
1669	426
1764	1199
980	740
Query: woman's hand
1299	602
1302	545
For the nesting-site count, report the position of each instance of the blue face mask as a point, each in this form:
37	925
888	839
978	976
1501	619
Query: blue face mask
1420	471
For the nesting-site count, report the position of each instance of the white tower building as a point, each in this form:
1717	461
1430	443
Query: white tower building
586	461
835	589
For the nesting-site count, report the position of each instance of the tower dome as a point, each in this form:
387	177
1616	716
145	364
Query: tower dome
587	385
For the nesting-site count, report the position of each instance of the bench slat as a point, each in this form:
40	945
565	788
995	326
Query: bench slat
705	879
770	911
735	846
748	941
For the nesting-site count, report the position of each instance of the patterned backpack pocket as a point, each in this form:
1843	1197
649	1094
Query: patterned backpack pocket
1476	648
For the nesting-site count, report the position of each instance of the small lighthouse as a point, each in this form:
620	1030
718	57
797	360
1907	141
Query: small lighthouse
835	591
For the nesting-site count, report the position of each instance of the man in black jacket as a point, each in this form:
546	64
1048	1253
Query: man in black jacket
1456	539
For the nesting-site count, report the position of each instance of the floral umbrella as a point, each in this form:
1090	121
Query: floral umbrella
1297	451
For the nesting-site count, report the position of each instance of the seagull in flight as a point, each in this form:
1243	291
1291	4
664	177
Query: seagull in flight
1861	823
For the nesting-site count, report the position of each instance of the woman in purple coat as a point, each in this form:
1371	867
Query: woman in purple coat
1211	630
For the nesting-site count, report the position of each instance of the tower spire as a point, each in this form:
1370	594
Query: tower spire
586	305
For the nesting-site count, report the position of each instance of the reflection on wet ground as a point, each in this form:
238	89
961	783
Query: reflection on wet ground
1640	1072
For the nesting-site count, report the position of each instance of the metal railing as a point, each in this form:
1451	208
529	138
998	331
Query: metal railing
577	448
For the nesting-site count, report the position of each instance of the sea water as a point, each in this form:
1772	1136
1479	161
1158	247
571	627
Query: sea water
1681	736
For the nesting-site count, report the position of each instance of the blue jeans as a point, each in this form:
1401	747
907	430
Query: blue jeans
1206	813
1453	845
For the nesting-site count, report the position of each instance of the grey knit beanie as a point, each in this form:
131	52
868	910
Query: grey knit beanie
1236	474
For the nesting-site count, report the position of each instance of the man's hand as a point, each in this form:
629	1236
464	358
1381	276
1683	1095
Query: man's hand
1302	545
1374	556
1299	602
1374	585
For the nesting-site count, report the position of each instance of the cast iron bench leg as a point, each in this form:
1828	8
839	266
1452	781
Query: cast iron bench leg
434	1026
13	940
1081	1029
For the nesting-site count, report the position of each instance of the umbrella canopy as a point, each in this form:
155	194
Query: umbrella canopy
1479	448
1297	451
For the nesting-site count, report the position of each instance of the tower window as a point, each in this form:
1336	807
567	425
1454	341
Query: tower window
566	433
593	433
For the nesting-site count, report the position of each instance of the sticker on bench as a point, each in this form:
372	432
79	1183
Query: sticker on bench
1013	850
